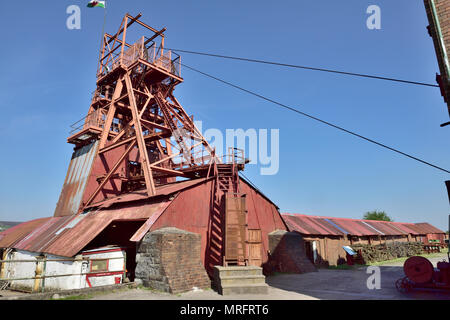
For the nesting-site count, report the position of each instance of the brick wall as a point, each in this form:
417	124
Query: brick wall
442	16
169	260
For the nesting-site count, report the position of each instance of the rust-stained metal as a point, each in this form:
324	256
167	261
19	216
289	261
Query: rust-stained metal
11	236
196	210
71	241
43	236
235	230
162	190
317	225
187	205
76	179
129	150
426	228
66	236
143	137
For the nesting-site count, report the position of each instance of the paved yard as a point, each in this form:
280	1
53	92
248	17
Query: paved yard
324	284
143	294
352	284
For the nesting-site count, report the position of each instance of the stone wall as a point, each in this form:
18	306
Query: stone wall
169	260
287	253
388	251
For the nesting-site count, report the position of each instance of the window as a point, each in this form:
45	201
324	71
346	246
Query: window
99	265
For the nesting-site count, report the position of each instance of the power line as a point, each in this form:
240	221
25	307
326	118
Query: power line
306	67
316	119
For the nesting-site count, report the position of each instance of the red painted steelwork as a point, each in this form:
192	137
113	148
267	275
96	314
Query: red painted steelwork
143	137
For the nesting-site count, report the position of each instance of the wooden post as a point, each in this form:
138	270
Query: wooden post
3	265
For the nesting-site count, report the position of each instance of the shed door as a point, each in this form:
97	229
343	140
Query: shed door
254	247
235	229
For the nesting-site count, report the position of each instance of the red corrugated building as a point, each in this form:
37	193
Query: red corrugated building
124	221
325	236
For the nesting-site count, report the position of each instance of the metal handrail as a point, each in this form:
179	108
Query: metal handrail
45	260
150	53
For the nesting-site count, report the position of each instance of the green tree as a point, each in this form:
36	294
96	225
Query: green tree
377	215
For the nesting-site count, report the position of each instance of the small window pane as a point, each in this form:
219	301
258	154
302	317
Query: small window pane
99	265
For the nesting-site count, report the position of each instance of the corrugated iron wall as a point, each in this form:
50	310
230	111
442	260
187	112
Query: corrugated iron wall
192	209
73	189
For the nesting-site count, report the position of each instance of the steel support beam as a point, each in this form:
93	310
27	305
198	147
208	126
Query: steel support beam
149	183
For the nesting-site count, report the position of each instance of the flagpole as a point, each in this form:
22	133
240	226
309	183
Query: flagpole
104	22
102	37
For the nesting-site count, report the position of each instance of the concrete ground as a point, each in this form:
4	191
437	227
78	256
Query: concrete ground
145	294
352	284
10	293
324	284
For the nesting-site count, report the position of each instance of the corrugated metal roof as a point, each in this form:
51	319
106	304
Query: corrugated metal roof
11	236
66	236
355	227
71	241
162	190
310	225
406	227
416	229
41	237
383	228
427	228
317	225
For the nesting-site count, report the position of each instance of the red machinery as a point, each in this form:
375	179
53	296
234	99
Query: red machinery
420	273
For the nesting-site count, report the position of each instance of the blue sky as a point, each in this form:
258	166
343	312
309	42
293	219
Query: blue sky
48	74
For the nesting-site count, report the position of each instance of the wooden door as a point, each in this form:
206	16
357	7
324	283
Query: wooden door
235	229
254	247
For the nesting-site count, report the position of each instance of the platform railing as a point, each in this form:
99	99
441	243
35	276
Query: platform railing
40	272
234	156
93	119
165	59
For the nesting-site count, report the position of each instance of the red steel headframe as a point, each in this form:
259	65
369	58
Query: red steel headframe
145	137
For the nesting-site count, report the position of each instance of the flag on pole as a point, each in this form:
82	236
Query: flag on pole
93	4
